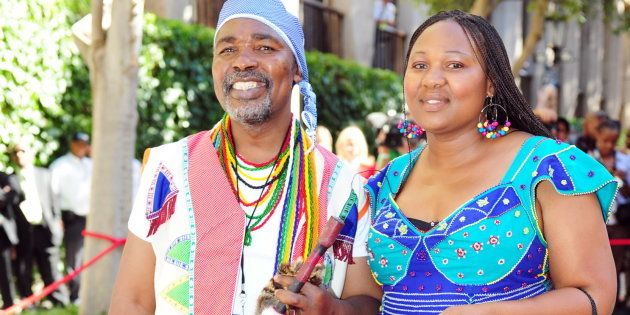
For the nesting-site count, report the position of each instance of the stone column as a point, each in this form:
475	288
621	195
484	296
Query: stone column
571	61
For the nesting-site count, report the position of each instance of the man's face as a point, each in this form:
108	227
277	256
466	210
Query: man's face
253	70
79	148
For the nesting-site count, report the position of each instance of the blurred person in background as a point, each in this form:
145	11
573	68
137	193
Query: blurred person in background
547	107
324	138
392	143
586	141
385	14
71	177
561	130
616	163
9	198
351	147
39	226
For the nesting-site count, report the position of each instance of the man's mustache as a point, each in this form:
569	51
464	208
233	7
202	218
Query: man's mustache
231	78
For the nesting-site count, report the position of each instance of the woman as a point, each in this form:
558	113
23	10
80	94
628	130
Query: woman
491	216
351	147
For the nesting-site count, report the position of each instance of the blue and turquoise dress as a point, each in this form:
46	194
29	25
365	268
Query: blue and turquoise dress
490	248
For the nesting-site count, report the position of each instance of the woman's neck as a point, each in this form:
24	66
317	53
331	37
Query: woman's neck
455	149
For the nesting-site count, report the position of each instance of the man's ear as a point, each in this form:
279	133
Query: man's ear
297	76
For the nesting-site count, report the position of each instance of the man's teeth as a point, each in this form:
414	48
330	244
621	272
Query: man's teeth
246	85
433	101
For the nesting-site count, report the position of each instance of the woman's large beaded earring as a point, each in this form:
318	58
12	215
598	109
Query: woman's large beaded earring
490	127
409	129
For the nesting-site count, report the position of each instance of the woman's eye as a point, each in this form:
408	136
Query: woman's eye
455	65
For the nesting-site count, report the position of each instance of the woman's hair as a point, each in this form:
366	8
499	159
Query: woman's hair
491	54
354	133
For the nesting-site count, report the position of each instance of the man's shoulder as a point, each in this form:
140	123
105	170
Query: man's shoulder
41	171
169	146
59	161
171	150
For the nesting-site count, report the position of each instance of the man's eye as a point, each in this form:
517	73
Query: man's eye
266	48
420	66
227	50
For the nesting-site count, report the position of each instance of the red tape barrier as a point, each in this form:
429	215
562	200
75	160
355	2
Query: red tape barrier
620	242
115	242
120	241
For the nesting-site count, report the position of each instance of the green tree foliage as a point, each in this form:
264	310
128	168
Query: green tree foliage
37	62
176	94
347	92
46	89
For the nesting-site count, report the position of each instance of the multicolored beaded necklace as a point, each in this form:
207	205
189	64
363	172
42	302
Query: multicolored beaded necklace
293	171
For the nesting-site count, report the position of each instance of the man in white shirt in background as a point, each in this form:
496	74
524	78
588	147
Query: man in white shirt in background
71	178
385	14
39	227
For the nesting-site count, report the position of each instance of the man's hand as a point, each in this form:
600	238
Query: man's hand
6	188
310	300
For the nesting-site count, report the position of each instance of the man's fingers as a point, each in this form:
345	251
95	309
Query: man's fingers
311	290
284	281
292	299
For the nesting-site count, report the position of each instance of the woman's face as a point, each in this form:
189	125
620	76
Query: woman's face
445	84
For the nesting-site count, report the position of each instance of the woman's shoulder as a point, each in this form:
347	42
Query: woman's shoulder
388	180
567	168
396	167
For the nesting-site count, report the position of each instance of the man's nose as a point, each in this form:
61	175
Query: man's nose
245	60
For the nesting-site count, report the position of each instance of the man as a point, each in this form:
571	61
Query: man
71	177
218	212
39	226
385	14
8	235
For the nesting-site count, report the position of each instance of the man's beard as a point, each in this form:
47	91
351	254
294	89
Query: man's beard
252	113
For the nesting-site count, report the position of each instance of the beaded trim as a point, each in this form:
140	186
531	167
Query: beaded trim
193	231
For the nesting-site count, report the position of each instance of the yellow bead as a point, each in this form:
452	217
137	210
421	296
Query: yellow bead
479	125
489	135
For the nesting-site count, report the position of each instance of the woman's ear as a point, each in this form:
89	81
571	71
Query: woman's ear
490	88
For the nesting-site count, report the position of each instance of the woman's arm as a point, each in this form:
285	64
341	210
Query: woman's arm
579	257
133	291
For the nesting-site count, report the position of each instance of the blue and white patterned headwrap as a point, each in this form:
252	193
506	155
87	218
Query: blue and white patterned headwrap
273	14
